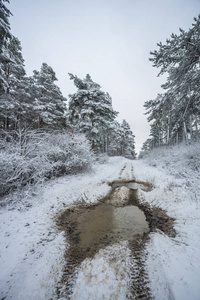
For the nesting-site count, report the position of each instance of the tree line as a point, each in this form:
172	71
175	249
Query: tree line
174	115
36	102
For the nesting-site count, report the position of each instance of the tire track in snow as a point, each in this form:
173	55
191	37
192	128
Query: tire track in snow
139	287
122	170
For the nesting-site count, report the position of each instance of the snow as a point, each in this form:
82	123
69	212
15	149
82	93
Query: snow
174	263
106	276
32	248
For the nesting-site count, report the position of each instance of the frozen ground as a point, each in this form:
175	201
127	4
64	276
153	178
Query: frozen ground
32	249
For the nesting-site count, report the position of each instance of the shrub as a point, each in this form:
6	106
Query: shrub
32	157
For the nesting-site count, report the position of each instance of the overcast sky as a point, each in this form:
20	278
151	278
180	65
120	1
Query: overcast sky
109	39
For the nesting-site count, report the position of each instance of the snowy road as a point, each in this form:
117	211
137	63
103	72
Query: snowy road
32	249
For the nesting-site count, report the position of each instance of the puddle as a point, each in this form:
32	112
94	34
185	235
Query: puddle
118	216
108	221
133	185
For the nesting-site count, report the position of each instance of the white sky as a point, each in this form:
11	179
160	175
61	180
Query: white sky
109	39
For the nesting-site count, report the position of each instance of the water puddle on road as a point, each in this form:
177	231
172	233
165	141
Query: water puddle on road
91	227
118	216
111	222
133	185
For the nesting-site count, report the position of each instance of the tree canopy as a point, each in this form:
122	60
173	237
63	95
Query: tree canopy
175	114
36	102
91	112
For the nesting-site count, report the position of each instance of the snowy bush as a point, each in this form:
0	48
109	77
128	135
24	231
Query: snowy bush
32	157
182	161
175	158
102	158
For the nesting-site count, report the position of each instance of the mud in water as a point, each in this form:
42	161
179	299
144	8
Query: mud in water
133	185
105	220
89	228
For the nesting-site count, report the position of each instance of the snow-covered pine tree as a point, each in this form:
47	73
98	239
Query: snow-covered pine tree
49	103
4	26
115	139
179	57
91	112
127	141
14	95
159	111
4	35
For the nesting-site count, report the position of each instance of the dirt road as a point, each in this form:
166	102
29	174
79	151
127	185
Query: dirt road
94	229
125	230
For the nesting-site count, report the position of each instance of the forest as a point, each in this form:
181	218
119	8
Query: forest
174	115
81	215
44	134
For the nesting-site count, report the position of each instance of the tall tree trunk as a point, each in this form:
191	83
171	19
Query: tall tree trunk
102	137
39	121
185	133
168	126
107	144
196	124
159	142
177	138
191	133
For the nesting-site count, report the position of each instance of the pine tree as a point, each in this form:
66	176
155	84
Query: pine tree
127	141
114	143
13	92
4	27
177	112
91	112
4	36
49	103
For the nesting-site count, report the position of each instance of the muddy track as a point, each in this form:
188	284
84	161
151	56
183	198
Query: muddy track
67	221
158	220
139	277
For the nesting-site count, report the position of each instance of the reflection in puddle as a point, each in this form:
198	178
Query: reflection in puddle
109	221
